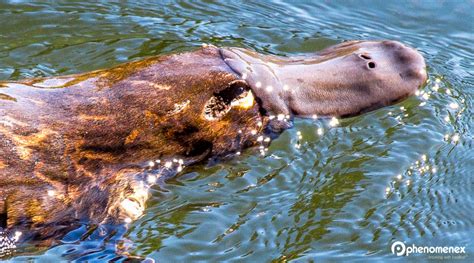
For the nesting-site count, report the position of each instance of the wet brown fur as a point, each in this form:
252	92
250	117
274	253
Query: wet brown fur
84	136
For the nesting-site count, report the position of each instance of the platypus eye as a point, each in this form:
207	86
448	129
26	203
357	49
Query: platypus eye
231	92
364	56
221	102
371	64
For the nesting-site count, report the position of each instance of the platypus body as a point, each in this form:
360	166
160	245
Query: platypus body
86	148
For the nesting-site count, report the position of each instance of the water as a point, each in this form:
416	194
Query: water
401	173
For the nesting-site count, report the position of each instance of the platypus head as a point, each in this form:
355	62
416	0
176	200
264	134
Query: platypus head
343	80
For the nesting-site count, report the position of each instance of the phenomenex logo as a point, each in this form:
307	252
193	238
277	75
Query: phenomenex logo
400	249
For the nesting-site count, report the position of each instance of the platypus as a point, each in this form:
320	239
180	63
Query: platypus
85	148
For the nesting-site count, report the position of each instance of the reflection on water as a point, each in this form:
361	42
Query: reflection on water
402	173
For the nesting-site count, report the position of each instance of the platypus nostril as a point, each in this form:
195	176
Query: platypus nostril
364	56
